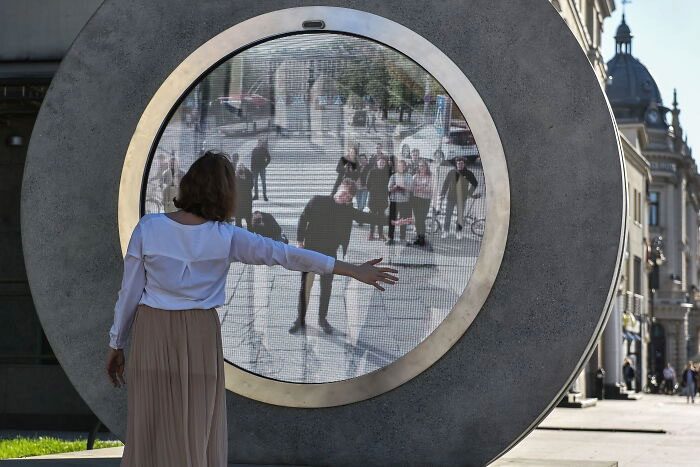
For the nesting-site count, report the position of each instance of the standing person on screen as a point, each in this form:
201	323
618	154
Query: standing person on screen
259	160
244	196
460	184
400	186
175	271
324	226
378	189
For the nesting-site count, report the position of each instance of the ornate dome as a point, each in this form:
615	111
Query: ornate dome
631	89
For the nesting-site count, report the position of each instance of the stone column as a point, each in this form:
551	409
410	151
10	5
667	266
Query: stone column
612	344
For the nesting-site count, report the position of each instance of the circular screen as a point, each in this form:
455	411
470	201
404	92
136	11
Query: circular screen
344	146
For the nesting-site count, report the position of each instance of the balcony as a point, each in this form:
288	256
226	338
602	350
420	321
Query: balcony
632	303
674	297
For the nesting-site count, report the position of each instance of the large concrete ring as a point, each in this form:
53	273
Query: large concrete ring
546	307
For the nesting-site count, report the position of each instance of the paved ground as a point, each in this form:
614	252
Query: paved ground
371	329
678	446
575	444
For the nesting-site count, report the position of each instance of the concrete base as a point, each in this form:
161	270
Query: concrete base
575	400
551	463
621	393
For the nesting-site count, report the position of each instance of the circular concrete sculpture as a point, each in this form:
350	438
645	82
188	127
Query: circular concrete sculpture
536	293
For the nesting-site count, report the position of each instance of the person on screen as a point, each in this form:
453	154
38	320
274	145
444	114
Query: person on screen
175	271
324	225
259	160
234	158
400	186
459	185
378	189
421	194
173	173
377	154
441	168
244	196
362	192
414	162
347	167
266	225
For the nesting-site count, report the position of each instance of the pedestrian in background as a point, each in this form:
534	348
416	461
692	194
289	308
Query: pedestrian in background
421	194
234	158
378	152
669	379
347	167
460	183
266	225
628	373
259	160
378	189
244	196
400	185
175	271
440	170
689	381
362	192
414	162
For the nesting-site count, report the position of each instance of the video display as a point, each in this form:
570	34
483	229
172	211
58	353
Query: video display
351	120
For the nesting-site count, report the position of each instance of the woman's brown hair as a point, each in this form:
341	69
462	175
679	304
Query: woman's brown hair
208	189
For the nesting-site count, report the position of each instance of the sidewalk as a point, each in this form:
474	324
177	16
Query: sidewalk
669	434
678	446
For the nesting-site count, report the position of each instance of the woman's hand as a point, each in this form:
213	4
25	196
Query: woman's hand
367	272
115	367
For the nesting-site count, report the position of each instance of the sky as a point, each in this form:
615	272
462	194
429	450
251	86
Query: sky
666	39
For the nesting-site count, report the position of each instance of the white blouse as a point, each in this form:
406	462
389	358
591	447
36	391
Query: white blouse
174	266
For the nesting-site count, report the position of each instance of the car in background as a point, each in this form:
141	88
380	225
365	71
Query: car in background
458	142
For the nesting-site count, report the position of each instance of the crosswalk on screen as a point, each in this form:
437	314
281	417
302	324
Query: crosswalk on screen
333	119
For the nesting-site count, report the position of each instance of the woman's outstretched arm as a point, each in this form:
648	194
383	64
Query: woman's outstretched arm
251	248
368	272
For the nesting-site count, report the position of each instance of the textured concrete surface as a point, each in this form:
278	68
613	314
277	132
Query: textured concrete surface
525	344
571	447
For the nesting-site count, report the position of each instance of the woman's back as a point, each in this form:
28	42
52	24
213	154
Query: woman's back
174	266
185	265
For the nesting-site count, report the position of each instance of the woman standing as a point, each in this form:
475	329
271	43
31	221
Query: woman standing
362	192
175	272
378	189
420	200
244	196
400	185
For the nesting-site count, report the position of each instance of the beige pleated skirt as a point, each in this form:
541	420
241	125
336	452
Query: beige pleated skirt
175	390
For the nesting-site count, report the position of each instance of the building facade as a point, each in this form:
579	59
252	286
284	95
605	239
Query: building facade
670	330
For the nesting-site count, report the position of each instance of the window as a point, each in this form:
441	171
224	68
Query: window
637	282
636	206
654	208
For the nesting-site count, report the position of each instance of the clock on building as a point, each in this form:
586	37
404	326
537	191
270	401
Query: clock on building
652	116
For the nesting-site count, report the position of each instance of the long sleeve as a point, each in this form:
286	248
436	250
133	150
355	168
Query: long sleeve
133	283
447	182
251	248
304	221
